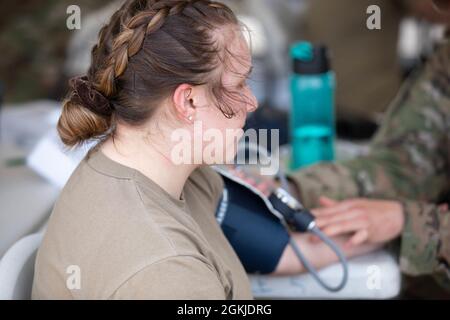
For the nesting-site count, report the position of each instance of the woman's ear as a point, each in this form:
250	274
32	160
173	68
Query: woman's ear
182	100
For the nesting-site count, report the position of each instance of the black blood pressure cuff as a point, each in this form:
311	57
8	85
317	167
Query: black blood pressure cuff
256	235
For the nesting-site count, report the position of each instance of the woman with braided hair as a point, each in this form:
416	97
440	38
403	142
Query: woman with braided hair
134	222
130	223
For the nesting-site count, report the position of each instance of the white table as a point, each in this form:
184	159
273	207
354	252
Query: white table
372	276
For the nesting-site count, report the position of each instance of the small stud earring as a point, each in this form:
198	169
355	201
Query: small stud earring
190	118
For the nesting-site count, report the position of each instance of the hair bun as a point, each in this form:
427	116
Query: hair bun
88	96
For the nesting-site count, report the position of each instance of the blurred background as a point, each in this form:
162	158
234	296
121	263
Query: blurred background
39	55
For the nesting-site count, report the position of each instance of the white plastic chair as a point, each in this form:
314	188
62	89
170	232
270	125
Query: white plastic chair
17	268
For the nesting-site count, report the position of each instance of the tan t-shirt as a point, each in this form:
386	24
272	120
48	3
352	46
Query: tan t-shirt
115	234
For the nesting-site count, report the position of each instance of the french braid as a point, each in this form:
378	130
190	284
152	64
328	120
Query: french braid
129	41
148	48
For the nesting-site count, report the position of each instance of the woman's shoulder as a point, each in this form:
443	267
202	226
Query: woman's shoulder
89	190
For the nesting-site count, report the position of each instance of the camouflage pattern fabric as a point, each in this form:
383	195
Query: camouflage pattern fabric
409	160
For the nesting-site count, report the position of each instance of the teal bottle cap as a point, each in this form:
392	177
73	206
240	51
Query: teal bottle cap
309	59
302	50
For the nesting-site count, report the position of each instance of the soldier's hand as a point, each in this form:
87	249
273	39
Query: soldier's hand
366	220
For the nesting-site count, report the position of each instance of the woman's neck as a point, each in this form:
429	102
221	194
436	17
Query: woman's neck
151	161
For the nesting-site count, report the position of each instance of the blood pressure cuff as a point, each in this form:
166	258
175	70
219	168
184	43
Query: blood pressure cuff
256	235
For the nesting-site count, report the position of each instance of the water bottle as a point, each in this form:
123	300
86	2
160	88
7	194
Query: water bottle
312	121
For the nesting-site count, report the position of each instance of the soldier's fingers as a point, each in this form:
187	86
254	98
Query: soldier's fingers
250	181
346	227
337	209
327	202
237	172
358	238
265	187
323	221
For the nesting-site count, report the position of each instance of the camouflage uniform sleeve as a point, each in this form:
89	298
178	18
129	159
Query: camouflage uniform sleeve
408	157
425	242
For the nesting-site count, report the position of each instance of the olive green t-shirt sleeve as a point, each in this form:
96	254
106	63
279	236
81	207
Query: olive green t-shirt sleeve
173	278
